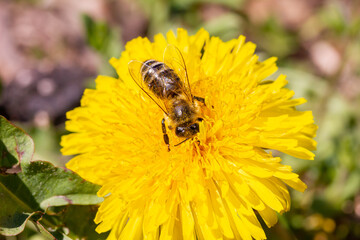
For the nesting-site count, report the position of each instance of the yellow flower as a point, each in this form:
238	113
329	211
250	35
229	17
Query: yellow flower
214	186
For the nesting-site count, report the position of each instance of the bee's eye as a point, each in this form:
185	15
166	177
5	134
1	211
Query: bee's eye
179	131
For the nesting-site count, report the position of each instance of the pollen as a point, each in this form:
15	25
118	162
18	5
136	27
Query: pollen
218	183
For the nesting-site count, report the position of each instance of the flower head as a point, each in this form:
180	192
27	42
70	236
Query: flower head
213	186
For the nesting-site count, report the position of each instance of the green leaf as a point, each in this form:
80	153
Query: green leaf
15	145
14	213
39	186
12	225
48	184
79	199
80	221
56	235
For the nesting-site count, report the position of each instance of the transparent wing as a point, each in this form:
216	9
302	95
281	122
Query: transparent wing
135	72
175	60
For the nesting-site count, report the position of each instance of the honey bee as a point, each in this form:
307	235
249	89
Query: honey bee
167	84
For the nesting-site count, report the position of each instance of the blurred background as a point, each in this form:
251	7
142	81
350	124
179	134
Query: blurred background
51	50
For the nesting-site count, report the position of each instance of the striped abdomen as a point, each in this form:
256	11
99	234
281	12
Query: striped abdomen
161	79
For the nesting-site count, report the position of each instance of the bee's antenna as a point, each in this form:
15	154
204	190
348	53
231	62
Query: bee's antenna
181	142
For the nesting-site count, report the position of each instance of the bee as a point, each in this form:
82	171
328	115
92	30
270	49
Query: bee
167	84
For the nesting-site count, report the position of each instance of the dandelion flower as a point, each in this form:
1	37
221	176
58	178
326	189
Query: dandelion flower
214	186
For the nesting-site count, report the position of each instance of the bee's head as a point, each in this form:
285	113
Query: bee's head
187	130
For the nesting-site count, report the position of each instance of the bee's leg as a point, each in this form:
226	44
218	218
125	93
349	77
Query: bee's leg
166	137
200	99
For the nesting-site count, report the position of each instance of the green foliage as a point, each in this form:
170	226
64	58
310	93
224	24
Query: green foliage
105	40
332	17
15	145
226	26
49	196
333	179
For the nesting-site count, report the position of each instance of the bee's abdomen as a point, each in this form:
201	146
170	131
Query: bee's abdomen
161	79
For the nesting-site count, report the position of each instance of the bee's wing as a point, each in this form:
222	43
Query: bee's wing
135	72
175	60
